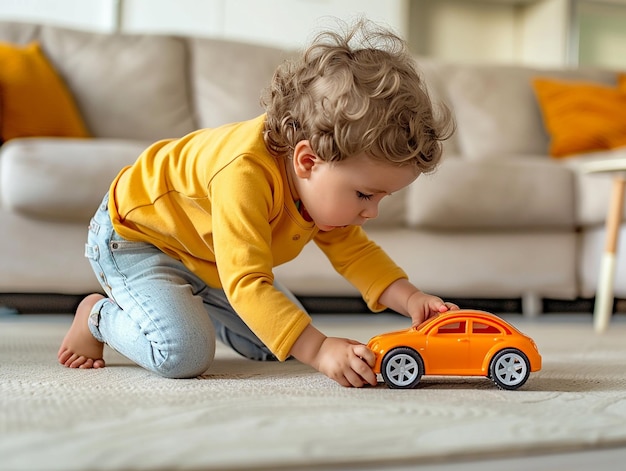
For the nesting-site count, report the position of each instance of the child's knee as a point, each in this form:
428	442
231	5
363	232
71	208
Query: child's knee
187	363
190	355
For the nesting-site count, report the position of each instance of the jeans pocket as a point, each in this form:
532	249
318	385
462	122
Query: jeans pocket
118	244
130	257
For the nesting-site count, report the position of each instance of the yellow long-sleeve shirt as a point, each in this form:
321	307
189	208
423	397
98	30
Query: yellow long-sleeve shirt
218	201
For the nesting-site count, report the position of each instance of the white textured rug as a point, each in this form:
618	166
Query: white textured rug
247	415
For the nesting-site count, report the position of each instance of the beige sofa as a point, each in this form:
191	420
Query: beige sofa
500	219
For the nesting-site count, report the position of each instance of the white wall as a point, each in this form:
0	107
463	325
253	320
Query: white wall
545	33
601	27
509	31
465	31
283	23
536	32
201	17
295	22
531	32
97	15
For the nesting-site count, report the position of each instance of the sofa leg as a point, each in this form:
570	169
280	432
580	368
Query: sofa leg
531	305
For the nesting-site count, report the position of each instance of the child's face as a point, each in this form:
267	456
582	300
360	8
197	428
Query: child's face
348	192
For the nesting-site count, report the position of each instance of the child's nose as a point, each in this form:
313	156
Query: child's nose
370	212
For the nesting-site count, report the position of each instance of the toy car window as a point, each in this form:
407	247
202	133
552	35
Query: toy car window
480	328
452	328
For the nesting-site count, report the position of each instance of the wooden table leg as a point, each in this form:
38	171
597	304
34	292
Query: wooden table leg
604	295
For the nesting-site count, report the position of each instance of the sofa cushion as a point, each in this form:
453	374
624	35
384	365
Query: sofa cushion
61	179
126	86
496	110
524	192
455	264
581	116
34	100
228	79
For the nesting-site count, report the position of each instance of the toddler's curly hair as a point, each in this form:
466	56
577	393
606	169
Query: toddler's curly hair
348	100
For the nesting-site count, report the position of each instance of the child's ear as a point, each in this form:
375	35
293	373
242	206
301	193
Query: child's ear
304	159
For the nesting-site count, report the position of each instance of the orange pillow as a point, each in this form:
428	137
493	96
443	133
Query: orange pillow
621	81
581	116
34	99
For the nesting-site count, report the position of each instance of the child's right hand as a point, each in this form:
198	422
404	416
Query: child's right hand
346	361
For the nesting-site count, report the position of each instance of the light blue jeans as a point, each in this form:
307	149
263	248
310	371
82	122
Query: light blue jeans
158	313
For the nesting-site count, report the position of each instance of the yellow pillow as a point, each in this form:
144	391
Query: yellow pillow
33	98
581	116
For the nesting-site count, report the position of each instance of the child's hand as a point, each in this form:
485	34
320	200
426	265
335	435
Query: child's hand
421	306
405	298
346	361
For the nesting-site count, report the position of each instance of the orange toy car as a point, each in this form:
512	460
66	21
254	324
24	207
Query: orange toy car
457	343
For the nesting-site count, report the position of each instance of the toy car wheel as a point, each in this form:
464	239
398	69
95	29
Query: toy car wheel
402	368
509	369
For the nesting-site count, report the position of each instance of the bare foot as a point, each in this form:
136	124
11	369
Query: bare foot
80	349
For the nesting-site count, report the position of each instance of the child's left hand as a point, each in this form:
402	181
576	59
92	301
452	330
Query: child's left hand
421	306
405	298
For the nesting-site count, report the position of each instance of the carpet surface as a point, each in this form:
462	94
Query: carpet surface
248	415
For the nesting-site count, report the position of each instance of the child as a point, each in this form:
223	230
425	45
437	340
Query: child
185	241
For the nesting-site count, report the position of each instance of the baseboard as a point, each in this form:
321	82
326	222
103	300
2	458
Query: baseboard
40	303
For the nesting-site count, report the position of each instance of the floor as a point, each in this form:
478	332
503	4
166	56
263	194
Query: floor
605	459
610	459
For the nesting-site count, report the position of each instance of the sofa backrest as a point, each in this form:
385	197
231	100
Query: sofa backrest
127	86
496	110
430	70
151	86
228	78
19	33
